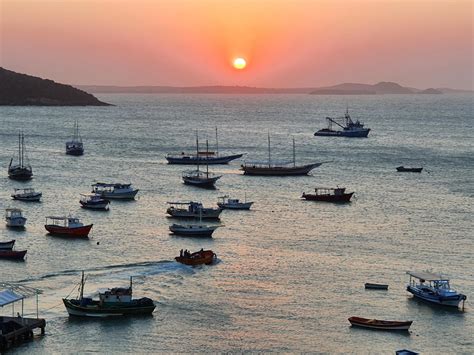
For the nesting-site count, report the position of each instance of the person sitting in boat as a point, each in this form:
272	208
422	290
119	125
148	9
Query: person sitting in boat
181	253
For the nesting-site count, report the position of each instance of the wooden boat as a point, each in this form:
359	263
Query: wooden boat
14	218
191	209
200	178
114	191
94	202
436	289
371	286
22	170
75	145
111	303
7	245
67	226
324	194
12	254
380	324
206	257
226	202
27	195
193	230
277	169
409	170
405	352
349	128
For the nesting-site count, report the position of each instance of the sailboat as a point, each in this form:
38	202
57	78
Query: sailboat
75	146
207	157
20	171
200	178
277	169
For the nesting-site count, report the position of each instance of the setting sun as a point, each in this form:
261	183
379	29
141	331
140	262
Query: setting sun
239	63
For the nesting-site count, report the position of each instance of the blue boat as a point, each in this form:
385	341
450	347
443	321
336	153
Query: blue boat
349	128
434	288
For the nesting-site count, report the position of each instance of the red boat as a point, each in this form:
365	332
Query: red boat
13	254
337	195
380	324
67	226
198	258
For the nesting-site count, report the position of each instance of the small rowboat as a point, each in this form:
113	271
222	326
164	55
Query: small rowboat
370	286
7	245
409	170
12	254
405	352
198	258
380	324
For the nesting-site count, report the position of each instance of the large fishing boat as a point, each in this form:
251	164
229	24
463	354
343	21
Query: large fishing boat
327	194
435	290
349	128
114	191
112	302
191	209
22	170
75	145
202	157
272	168
67	226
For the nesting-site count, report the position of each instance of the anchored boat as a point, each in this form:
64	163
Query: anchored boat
200	178
226	202
191	209
75	145
114	191
325	194
380	324
112	302
67	226
14	218
193	230
402	169
22	170
27	195
349	128
12	254
7	245
94	202
434	288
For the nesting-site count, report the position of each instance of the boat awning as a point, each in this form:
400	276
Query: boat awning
427	276
8	296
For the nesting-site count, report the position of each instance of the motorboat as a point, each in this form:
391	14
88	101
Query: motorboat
22	170
7	245
193	230
75	145
273	168
112	302
94	202
372	286
402	169
191	209
27	195
226	202
12	254
114	191
200	257
349	128
380	324
14	218
327	194
67	226
434	288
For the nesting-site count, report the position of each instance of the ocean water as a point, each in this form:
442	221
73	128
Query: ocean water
290	272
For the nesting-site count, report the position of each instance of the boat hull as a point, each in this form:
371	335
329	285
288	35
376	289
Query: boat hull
7	245
69	232
75	151
12	254
206	257
344	198
104	206
371	286
205	214
450	301
18	222
402	169
74	308
187	160
201	182
380	324
21	174
278	171
33	198
130	195
205	232
235	206
351	134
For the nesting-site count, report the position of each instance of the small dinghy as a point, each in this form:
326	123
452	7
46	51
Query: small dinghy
206	257
14	218
67	226
12	254
27	195
380	324
402	169
7	245
371	286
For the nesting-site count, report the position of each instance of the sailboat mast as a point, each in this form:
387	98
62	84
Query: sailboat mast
217	144
19	148
197	150
207	161
294	153
82	286
22	149
269	152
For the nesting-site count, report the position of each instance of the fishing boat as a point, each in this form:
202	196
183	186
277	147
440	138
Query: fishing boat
67	226
191	209
114	191
14	218
94	202
349	128
12	254
380	324
22	170
7	245
27	195
75	145
112	302
226	202
434	288
402	169
200	157
327	194
193	230
271	168
371	286
200	257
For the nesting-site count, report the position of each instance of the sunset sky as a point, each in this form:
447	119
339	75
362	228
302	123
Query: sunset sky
286	43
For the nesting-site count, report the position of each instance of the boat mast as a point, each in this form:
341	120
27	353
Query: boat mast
197	150
269	152
207	160
217	144
82	286
19	148
294	153
22	149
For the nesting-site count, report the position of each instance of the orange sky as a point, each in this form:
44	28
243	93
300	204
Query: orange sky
287	43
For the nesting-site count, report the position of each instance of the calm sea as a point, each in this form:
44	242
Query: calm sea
290	272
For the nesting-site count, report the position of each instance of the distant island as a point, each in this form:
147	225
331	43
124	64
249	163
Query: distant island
24	90
381	88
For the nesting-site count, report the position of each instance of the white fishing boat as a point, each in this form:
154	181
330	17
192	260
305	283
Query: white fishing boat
27	194
114	191
434	288
14	218
191	209
193	230
233	203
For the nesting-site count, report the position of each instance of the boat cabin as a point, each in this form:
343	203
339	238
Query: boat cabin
338	191
191	205
12	213
87	198
428	280
115	295
115	187
63	221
